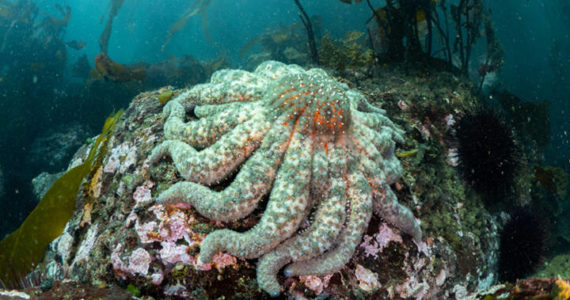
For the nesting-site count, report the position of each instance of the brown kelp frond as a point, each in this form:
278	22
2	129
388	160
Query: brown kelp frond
114	71
198	6
279	35
106	34
24	248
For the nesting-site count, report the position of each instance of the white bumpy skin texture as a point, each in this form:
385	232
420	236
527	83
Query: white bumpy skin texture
309	142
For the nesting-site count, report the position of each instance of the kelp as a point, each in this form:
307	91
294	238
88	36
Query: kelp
348	52
24	248
198	6
274	40
106	34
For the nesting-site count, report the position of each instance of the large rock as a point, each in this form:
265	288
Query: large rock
119	235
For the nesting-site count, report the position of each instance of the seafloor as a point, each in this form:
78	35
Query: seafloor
112	244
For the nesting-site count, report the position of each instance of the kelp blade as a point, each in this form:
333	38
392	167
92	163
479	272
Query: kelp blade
25	247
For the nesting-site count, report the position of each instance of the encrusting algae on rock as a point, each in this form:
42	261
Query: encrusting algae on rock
303	139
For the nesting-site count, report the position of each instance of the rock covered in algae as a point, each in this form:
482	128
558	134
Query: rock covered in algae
123	236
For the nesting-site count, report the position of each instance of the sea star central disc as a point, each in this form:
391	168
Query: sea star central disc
300	95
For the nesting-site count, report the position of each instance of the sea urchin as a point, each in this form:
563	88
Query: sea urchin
523	244
487	153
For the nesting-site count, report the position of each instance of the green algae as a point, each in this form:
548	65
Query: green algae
24	248
165	97
348	52
133	290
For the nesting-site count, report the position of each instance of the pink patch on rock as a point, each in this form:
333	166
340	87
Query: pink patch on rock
367	280
173	253
142	194
370	246
222	260
203	267
384	236
175	227
118	265
146	232
315	283
139	261
387	235
121	158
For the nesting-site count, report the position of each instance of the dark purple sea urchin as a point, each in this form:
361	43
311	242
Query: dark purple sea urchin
487	153
523	245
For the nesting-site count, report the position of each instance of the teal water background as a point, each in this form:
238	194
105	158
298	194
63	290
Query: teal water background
534	35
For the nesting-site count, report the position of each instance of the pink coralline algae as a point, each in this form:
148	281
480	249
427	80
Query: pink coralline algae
142	193
373	245
138	262
173	253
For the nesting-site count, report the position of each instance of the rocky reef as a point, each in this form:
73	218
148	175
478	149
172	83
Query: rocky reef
313	153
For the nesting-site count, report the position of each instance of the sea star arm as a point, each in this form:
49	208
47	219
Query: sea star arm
386	206
240	198
227	86
360	199
385	201
285	210
211	126
377	156
320	184
214	122
327	224
215	162
379	123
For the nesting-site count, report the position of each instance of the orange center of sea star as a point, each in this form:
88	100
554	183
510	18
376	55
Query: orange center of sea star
325	106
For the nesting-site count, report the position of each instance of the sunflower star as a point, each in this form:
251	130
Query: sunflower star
315	146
